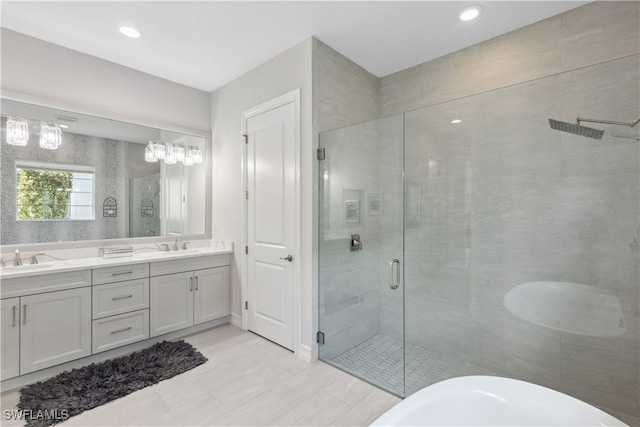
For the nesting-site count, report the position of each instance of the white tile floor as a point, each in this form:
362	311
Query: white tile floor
247	381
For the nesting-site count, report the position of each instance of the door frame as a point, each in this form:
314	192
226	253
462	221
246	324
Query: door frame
287	98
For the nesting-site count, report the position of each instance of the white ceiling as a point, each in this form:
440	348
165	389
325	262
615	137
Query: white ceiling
205	44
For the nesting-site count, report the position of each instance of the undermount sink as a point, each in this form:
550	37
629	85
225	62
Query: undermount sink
27	267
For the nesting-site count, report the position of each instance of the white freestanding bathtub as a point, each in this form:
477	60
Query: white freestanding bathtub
492	401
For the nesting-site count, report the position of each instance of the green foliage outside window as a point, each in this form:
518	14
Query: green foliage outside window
43	194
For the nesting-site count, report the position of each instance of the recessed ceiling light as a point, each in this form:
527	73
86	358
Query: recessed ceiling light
130	32
456	121
470	13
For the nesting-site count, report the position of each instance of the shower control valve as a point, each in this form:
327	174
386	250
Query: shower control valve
356	243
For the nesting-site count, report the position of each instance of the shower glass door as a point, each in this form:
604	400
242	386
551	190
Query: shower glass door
361	260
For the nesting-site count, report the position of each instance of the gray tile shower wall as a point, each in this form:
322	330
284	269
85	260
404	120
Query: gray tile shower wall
506	201
502	200
597	32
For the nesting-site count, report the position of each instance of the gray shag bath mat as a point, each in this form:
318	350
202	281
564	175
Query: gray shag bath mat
73	392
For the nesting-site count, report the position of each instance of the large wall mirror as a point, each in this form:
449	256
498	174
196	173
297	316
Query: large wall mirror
73	177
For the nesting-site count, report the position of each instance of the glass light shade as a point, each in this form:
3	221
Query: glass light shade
188	157
170	156
17	131
159	149
197	155
150	153
179	152
50	136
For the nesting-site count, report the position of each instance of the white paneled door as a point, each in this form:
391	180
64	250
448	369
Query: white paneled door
271	220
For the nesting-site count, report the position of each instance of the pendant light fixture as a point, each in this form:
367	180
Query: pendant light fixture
50	136
17	131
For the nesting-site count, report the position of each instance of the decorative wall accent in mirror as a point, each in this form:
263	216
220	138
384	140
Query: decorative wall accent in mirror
174	194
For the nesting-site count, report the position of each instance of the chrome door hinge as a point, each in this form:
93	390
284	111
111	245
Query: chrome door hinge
246	250
320	338
320	154
246	138
246	305
246	195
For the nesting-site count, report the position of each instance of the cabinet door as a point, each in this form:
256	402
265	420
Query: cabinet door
171	303
211	294
10	335
54	328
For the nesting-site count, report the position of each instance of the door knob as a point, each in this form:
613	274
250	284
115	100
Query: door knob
288	258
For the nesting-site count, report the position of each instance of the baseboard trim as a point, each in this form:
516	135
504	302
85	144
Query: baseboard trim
236	320
304	352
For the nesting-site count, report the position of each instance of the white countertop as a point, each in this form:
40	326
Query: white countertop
141	253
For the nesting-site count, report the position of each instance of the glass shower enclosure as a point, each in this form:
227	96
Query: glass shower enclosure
361	251
471	238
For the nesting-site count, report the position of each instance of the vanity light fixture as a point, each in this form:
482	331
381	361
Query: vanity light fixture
159	149
179	153
456	121
188	156
50	136
470	13
172	153
197	155
150	153
130	32
17	131
170	156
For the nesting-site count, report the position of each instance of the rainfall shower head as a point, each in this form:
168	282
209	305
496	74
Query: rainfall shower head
576	129
628	135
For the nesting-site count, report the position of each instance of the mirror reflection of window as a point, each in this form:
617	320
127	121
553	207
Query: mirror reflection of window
116	150
52	191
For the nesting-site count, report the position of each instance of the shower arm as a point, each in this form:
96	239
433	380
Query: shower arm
608	122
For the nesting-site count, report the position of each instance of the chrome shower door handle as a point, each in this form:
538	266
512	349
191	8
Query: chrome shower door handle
394	284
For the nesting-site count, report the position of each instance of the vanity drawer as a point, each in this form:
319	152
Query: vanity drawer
161	268
41	283
120	297
123	329
120	273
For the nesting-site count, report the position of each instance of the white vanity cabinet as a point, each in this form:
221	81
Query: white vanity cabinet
58	313
48	324
120	306
55	327
10	336
188	292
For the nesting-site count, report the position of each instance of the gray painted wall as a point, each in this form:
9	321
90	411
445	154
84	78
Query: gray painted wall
75	81
288	71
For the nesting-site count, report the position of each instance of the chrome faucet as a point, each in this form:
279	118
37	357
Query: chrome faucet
175	245
17	260
34	258
184	245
